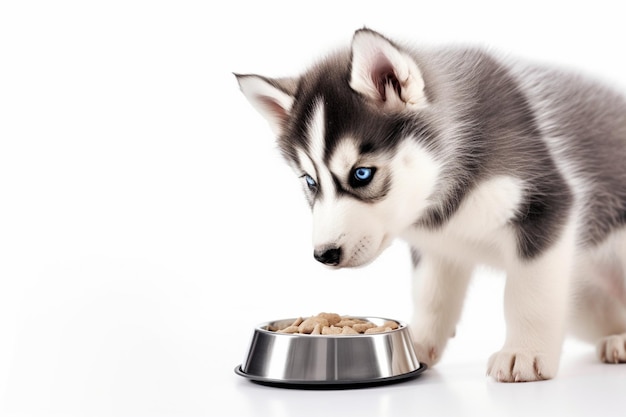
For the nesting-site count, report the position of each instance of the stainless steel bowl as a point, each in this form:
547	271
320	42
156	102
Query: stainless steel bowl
330	360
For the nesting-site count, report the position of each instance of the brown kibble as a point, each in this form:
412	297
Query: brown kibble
379	329
332	318
298	321
289	329
358	320
393	325
362	327
331	330
317	329
308	325
348	330
346	322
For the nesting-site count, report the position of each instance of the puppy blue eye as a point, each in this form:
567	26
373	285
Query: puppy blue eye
361	176
310	182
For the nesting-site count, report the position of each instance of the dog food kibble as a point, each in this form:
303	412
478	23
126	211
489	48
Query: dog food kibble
308	325
334	324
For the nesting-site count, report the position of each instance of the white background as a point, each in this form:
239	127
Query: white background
147	222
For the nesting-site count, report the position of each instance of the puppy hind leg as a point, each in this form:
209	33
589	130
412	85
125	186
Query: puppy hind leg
598	312
597	316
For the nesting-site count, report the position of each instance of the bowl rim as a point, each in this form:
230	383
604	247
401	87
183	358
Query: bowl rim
402	326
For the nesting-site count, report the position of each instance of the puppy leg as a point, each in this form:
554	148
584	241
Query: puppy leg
612	349
535	304
439	289
599	317
598	312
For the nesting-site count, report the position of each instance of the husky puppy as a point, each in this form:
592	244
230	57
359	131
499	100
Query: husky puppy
471	159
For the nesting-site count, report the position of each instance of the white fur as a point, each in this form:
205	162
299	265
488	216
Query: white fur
439	288
316	132
535	307
478	232
345	157
411	161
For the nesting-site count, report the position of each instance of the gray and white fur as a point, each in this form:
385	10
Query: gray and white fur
471	159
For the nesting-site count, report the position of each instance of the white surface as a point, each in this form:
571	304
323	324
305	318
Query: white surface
147	222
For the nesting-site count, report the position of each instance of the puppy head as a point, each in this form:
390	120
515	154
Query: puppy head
350	127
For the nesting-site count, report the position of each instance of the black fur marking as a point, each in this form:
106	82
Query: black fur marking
366	148
540	221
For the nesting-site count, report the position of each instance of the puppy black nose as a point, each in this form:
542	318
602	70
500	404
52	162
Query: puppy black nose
328	256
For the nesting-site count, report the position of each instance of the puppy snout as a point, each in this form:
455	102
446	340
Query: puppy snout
328	256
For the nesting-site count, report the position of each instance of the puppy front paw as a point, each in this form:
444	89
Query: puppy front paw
427	354
429	349
429	341
521	366
612	349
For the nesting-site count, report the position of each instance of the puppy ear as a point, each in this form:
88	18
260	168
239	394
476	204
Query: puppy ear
385	74
272	98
